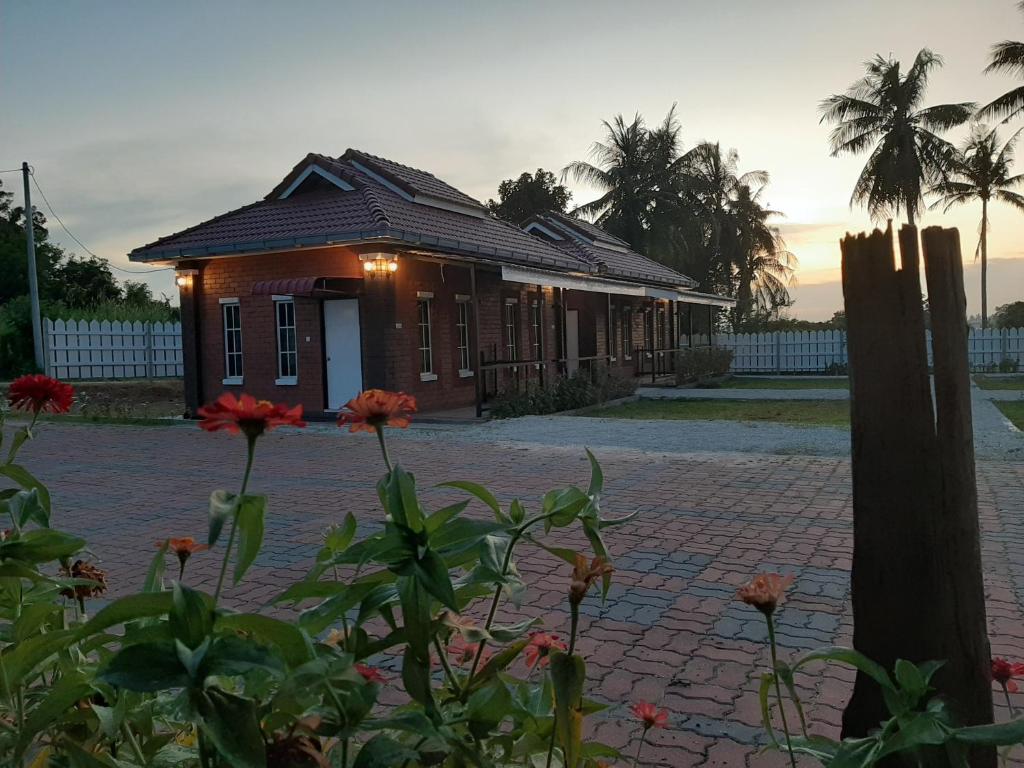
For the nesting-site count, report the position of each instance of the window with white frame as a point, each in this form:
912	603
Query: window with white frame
287	346
537	327
511	325
232	316
423	312
462	326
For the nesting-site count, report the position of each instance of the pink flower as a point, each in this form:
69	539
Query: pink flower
650	715
540	647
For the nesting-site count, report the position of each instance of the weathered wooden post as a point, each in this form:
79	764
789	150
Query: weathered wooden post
917	578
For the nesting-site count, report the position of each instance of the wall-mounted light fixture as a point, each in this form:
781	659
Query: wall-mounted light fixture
184	277
379	264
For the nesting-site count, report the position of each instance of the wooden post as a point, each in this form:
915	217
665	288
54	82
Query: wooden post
916	576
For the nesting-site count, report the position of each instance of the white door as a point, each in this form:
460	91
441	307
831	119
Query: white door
572	341
343	351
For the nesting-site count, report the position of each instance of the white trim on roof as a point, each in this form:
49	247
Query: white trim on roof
536	225
598	285
311	169
424	199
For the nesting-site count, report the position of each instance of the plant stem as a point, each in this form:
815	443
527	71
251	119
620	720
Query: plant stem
1009	703
636	758
384	448
134	744
448	671
517	534
234	521
344	753
778	689
574	610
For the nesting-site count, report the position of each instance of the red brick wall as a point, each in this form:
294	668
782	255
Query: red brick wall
389	325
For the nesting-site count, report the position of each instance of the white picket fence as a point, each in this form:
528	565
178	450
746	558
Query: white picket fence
91	349
813	352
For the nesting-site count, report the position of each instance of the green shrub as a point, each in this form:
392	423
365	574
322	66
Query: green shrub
567	393
700	363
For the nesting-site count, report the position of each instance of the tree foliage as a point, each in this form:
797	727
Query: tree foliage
883	113
519	199
1009	315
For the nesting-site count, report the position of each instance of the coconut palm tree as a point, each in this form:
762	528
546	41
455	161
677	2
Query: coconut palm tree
981	171
633	167
882	111
763	267
1007	56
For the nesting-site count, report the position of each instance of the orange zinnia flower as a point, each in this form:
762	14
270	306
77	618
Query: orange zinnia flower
584	576
248	415
1004	671
184	549
765	591
377	408
464	652
650	715
370	674
540	647
40	393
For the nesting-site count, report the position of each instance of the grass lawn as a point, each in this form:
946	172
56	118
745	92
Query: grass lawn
1013	410
832	413
783	382
1000	382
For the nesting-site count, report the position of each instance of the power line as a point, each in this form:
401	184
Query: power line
84	246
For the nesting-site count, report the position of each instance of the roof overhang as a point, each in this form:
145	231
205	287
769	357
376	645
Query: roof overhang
581	282
308	287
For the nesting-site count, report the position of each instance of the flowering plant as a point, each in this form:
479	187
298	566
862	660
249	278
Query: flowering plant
171	676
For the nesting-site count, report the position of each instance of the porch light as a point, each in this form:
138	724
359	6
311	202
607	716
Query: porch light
379	264
183	277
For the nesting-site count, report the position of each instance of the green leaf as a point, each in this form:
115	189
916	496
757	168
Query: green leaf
568	675
250	532
513	631
480	493
294	644
432	573
191	618
22	658
233	655
763	692
384	752
596	475
42	545
26	480
232	725
921	730
413	515
222	506
17	441
14	570
24	507
416	679
146	668
82	758
516	512
999	735
849	656
71	688
155	575
340	536
140	606
487	707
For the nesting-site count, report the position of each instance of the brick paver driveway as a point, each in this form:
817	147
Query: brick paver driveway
672	631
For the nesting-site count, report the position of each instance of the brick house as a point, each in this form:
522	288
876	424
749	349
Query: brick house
358	272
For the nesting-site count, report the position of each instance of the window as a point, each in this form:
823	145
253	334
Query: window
462	326
511	324
423	309
627	333
537	326
232	315
287	348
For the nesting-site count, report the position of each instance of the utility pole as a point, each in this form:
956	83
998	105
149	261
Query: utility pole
33	277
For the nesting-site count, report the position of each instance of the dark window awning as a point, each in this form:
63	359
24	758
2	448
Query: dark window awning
307	286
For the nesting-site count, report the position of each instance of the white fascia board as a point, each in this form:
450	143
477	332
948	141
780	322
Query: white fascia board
568	281
311	169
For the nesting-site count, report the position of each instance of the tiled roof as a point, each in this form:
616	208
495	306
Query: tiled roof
319	212
610	255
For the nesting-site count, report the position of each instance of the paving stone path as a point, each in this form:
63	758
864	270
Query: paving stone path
671	632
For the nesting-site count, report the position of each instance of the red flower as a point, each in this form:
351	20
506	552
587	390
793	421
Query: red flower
40	393
765	591
463	652
377	408
183	548
650	715
540	647
248	415
370	674
1004	671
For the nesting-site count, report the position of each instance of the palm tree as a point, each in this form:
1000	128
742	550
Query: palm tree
1007	56
763	267
981	171
633	167
883	111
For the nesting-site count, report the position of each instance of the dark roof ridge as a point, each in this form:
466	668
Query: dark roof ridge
377	209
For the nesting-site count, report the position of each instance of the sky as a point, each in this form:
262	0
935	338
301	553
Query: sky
141	119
